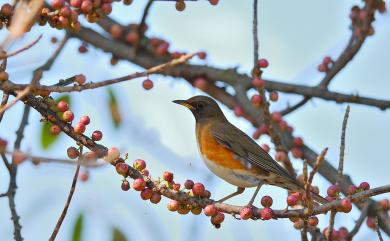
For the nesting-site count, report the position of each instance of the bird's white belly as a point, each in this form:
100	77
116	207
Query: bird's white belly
239	178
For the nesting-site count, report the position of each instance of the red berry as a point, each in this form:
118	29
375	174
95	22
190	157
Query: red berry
276	116
327	60
258	83
125	185
280	156
213	2
183	209
180	5
298	224
256	100
292	200
80	79
55	130
246	213
65	11
206	194
176	186
263	129
188	184
139	164
62	106
200	83
86	6
89	156
57	4
322	67
106	8
145	172
266	213
210	210
333	191
346	205
116	31
202	55
352	189
173	205
385	204
79	128
76	3
298	142
168	176
198	189
139	184
273	96
68	116
146	193
238	111
266	201
97	135
85	120
313	221
72	152
262	63
256	135
297	152
122	169
3	145
112	154
6	10
364	185
156	198
265	147
370	222
147	84
217	218
343	232
84	176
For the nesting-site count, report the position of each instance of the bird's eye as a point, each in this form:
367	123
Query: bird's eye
199	106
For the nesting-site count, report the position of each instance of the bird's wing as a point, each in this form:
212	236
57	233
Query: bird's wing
246	148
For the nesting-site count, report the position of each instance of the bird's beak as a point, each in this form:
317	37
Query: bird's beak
184	103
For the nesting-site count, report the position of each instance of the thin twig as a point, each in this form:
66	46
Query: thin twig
331	224
359	222
142	25
342	147
308	202
6	162
378	231
4	101
20	96
22	49
294	107
69	199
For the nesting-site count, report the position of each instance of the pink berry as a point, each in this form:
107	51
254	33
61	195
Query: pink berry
18	157
116	31
79	128
125	185
384	204
202	55
200	83
55	130
122	169
263	129
327	60
147	84
297	152
322	68
85	120
112	154
313	221
346	205
333	191
213	2
292	200
352	189
139	184
68	116
62	106
198	189
265	147
173	205
72	152
298	142
266	201
258	83
145	172
57	4
364	185
97	135
238	111
266	213
146	193
276	116
86	6
156	198
343	232
273	96
176	186
280	156
262	63
370	222
246	213
75	3
256	100
84	176
206	194
106	8
188	184
168	176
210	210
218	218
80	79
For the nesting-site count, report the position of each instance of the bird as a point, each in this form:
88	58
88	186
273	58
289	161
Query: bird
232	155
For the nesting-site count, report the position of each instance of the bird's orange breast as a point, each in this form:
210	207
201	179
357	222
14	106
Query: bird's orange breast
214	151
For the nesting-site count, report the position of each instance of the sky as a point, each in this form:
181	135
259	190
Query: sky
293	35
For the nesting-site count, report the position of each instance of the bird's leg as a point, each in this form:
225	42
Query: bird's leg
239	191
255	194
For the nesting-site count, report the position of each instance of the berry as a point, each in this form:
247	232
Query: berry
276	116
218	218
370	222
116	31
202	55
265	147
125	185
210	210
297	152
139	164
292	200
298	142
183	209
343	232
6	10
55	130
206	194
213	2
333	191
147	84
198	189
298	224
258	83
84	176
346	205
246	213
146	193
313	221
256	100
122	169
365	186
85	120
57	4
86	6
72	152
266	213
238	111
168	176
322	67
385	204
262	63
112	154
266	201
196	210
18	157
79	128
132	37
327	60
139	184
176	186
180	5
352	189
97	135
3	145
62	106
145	172
90	156
256	135
156	198
68	116
273	96
280	156
173	205
107	8
200	83
80	79
75	3
188	184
